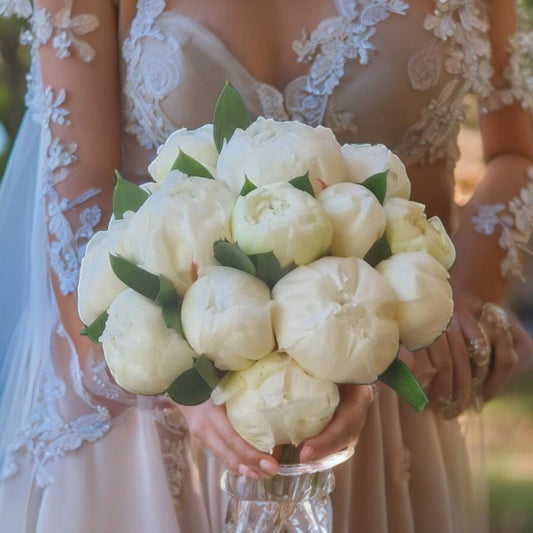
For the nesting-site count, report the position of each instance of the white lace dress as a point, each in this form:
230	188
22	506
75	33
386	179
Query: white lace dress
80	455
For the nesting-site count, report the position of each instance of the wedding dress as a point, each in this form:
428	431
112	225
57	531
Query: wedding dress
79	454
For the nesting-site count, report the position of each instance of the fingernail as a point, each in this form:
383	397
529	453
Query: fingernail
268	466
425	376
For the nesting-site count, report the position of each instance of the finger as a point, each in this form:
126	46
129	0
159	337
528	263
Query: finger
504	360
346	425
262	463
440	391
523	344
420	365
462	373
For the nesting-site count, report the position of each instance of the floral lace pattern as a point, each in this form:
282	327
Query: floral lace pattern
516	223
461	50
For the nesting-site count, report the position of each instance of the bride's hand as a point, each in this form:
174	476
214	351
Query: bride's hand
468	363
346	425
209	424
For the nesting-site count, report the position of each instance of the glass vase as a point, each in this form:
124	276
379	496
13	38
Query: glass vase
295	500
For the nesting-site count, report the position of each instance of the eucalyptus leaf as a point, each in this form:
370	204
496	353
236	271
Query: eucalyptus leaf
189	166
126	196
230	114
303	183
268	269
207	370
96	328
247	187
229	254
171	315
189	388
377	183
135	277
399	378
379	251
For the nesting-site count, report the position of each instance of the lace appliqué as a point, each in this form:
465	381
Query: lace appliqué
460	49
517	82
19	8
67	244
149	82
516	223
329	46
63	30
45	435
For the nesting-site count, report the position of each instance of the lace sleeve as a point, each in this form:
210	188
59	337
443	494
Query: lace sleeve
73	94
513	79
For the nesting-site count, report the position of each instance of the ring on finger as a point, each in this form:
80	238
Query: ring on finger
479	348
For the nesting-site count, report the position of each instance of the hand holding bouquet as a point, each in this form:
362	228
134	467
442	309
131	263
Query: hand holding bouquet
263	266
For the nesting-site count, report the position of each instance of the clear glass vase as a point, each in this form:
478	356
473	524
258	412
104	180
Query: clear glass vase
295	500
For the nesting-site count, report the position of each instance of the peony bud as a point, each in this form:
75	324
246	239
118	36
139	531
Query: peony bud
424	296
337	318
144	356
226	316
174	230
198	144
282	219
270	152
276	402
365	160
409	230
358	218
98	286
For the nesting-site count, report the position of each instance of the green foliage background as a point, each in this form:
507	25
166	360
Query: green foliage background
14	64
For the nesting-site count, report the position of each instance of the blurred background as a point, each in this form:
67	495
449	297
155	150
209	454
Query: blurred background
507	420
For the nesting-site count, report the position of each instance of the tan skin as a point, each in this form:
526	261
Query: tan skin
444	368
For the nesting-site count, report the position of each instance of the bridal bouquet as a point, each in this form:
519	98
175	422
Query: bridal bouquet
264	265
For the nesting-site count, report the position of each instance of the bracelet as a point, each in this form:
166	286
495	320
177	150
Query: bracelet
516	223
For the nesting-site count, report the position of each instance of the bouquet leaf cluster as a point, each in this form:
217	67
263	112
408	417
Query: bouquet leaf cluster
263	266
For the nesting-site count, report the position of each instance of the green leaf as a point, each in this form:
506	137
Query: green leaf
303	183
172	318
210	374
189	388
377	183
94	331
135	277
379	251
399	378
229	254
189	166
167	294
247	187
268	269
230	114
126	196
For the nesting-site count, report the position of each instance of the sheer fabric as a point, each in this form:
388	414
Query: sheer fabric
77	453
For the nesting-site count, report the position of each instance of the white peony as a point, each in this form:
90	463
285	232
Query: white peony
198	144
98	286
337	318
269	152
226	316
174	231
409	230
424	296
282	219
365	160
144	356
276	402
358	218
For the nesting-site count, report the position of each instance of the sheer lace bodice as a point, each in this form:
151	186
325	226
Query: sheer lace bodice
350	57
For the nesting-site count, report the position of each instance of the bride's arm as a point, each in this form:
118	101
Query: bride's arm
465	365
75	45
